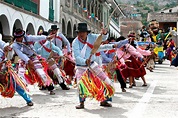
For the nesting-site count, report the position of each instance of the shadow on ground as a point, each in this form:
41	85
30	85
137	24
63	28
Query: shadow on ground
12	111
104	112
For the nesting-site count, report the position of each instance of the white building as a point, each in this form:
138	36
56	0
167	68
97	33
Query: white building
76	11
170	10
114	26
30	15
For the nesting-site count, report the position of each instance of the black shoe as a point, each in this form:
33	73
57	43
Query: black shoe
133	84
42	88
30	104
81	106
64	87
123	90
144	85
52	93
151	70
105	104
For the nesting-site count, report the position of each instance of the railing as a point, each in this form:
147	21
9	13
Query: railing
25	4
75	7
51	14
115	21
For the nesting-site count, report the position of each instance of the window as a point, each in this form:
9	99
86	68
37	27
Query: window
84	3
51	4
92	7
88	6
79	2
170	10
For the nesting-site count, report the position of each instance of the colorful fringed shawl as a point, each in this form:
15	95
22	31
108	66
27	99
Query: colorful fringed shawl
91	86
8	81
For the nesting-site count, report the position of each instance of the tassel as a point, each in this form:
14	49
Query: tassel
91	86
9	91
85	92
18	80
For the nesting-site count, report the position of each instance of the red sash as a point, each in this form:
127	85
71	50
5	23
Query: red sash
58	37
98	54
111	51
28	43
89	45
47	49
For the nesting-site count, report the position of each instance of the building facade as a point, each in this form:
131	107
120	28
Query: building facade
30	15
170	10
76	11
94	12
129	24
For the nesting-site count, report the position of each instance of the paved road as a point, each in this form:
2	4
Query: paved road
158	100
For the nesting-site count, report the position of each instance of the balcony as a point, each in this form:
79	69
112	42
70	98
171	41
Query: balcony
116	21
51	14
24	4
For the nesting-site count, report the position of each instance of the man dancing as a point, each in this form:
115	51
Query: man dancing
82	47
45	48
4	47
24	49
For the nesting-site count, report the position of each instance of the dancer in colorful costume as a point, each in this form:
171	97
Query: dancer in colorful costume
69	67
61	41
159	38
24	49
59	38
110	64
151	62
9	80
45	48
175	60
130	55
169	51
92	81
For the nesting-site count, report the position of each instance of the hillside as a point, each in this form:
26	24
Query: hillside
144	7
161	3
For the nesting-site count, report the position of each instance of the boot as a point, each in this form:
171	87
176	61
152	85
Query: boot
80	106
123	90
30	103
105	104
64	87
52	93
42	88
